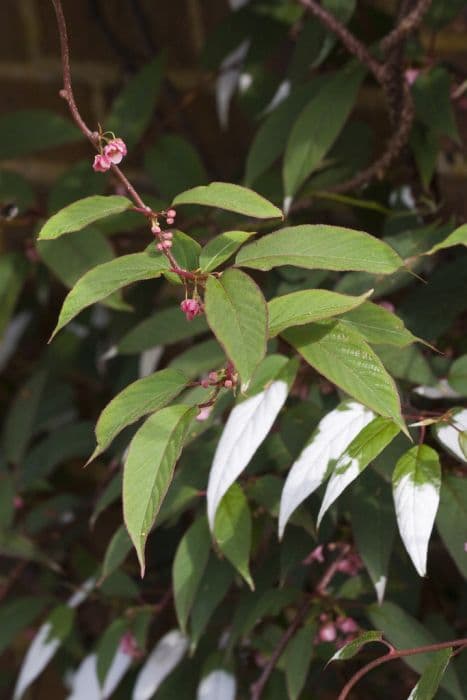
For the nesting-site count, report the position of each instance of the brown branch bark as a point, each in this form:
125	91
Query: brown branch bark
392	655
258	687
406	26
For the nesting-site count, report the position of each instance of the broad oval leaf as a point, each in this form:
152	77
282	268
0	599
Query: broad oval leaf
334	433
308	305
80	214
190	560
232	531
245	430
431	678
136	400
320	247
237	314
416	486
149	468
236	198
378	325
165	656
362	450
449	435
341	355
318	126
104	279
218	684
351	649
221	248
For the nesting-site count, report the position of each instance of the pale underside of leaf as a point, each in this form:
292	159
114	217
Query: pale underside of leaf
166	655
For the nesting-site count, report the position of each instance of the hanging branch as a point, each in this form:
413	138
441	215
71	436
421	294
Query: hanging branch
406	26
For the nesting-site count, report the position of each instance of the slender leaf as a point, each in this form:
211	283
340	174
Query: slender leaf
457	237
430	680
297	659
232	530
234	198
449	434
221	248
107	648
82	213
351	649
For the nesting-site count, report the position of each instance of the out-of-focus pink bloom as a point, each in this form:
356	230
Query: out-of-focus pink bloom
204	413
316	555
191	308
465	546
101	163
387	305
347	625
129	646
18	502
411	75
115	151
171	213
351	565
327	633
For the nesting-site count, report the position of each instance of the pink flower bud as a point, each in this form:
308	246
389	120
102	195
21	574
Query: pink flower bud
228	383
347	625
205	383
129	646
160	247
155	228
116	150
171	213
351	565
191	308
327	633
411	75
212	376
18	503
204	413
170	221
168	235
101	163
167	245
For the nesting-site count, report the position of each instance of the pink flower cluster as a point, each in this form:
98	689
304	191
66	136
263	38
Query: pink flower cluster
165	237
340	631
129	646
191	308
113	154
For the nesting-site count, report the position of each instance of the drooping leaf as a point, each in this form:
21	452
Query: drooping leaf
452	512
237	314
217	579
116	552
320	247
448	434
362	450
343	356
104	279
430	680
457	237
17	614
297	657
107	648
133	108
223	195
82	213
351	649
13	271
166	655
217	684
432	98
85	683
318	126
22	418
149	469
232	530
144	396
191	559
247	426
221	248
378	325
49	130
306	306
334	433
416	486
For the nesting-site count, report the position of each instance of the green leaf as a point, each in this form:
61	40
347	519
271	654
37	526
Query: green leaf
344	358
302	307
16	546
221	248
190	561
80	214
162	328
430	680
432	97
174	165
107	648
407	363
202	357
149	469
297	657
405	632
133	108
104	279
232	531
61	622
368	444
237	314
320	247
116	552
318	126
31	130
270	139
136	400
186	251
224	195
16	615
109	495
21	419
13	271
453	511
378	325
457	376
217	579
416	486
457	237
351	649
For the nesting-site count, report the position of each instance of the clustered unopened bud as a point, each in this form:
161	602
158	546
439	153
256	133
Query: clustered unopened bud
191	308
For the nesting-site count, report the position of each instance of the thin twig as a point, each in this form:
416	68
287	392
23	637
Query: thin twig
461	643
406	26
320	590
